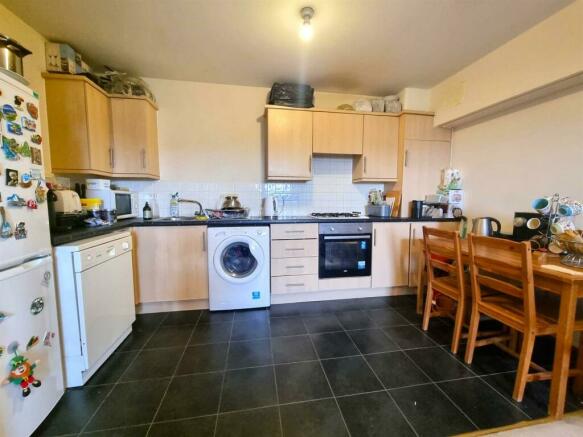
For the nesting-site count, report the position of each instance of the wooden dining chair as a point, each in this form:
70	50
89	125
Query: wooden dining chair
445	275
503	268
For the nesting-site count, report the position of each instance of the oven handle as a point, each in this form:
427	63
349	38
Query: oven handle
343	237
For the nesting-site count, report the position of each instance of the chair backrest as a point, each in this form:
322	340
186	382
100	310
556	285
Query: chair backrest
503	267
443	253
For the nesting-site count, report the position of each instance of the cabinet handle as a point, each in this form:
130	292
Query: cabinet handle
294	267
310	164
296	284
374	237
295	231
204	241
294	248
365	165
406	157
111	157
143	158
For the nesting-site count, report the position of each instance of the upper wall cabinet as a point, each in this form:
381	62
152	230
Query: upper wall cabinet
94	133
289	144
337	133
79	126
420	127
380	142
135	137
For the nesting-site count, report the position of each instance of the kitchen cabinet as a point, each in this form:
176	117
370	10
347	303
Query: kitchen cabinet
380	143
390	254
289	144
416	245
420	127
337	133
170	263
135	137
79	119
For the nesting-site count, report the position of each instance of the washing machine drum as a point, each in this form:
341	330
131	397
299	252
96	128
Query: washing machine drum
238	259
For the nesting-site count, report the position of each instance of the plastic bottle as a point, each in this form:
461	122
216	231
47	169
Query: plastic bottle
174	205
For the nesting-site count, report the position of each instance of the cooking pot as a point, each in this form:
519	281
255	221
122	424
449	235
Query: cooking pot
483	226
11	54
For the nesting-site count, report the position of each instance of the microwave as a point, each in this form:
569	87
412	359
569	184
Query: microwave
125	203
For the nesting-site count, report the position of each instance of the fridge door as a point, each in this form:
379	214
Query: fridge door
20	154
19	288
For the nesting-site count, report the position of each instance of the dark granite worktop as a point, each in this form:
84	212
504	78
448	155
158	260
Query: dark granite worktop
82	233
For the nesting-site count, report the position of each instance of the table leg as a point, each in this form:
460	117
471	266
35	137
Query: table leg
561	361
578	384
420	280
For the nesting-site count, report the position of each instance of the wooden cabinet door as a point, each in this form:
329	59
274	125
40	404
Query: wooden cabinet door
129	135
337	133
390	254
380	146
151	153
424	161
99	129
416	245
420	127
289	144
171	263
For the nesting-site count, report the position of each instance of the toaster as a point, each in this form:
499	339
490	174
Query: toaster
67	202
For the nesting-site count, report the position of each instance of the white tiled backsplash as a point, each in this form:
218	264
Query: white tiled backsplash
330	190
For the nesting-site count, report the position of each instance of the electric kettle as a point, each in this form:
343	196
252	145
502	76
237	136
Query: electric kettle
271	206
483	226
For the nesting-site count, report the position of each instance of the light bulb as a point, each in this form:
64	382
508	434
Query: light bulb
306	31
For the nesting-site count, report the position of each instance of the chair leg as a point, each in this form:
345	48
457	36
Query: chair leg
472	334
420	281
457	329
428	305
523	365
578	383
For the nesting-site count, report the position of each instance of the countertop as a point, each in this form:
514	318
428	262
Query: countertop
87	232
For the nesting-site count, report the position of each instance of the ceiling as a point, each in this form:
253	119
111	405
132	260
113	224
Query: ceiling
360	46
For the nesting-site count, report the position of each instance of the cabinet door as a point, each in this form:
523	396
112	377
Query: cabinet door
171	263
390	255
380	146
416	245
422	170
289	144
420	127
99	129
129	135
338	134
151	153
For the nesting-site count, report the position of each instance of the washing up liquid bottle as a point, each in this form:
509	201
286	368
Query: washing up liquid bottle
174	205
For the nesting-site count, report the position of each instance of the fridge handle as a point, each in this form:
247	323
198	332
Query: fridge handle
20	269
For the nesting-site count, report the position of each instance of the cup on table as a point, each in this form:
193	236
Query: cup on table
562	225
570	208
542	205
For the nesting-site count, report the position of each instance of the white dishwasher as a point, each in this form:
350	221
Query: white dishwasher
96	301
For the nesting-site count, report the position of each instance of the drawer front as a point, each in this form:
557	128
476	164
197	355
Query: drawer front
294	284
294	231
294	266
294	248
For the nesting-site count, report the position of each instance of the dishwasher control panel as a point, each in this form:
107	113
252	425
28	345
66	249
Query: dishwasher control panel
87	258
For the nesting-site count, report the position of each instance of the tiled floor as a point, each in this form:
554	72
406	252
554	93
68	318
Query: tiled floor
358	367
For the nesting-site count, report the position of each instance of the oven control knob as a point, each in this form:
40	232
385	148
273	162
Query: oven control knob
332	229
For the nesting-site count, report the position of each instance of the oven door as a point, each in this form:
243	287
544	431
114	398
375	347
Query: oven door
344	255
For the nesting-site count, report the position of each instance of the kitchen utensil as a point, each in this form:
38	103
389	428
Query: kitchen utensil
483	226
5	228
11	54
240	213
416	209
378	210
272	206
231	202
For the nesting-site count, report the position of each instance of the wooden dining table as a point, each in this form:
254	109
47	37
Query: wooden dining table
566	282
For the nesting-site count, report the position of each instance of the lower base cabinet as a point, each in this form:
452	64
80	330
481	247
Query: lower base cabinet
390	254
170	263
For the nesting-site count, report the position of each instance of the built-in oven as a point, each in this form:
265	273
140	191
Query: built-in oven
345	250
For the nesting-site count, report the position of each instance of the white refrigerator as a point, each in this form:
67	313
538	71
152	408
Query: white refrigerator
31	379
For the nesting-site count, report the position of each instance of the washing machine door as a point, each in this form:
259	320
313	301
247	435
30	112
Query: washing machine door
238	259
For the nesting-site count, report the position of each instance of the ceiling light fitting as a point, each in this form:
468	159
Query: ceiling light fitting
306	30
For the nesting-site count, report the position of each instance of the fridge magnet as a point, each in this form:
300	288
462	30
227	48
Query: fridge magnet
31	204
48	338
3	316
10	148
24	150
13	128
40	193
20	232
18	101
2	349
34	340
36	139
15	200
25	180
9	112
13	347
36	174
35	156
22	374
5	227
11	177
32	110
37	306
28	124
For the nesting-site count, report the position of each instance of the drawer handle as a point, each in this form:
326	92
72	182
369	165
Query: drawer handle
294	248
297	231
297	284
294	267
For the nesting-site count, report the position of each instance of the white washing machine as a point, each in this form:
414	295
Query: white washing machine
239	275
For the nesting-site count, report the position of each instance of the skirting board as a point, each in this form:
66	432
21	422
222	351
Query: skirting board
201	304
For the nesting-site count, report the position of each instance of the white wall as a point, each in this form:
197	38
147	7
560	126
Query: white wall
533	151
